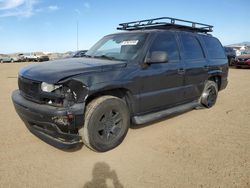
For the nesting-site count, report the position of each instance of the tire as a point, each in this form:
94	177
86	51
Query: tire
106	123
231	62
209	95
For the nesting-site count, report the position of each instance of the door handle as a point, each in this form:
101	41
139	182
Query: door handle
181	71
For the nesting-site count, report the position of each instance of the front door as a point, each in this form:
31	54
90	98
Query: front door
162	84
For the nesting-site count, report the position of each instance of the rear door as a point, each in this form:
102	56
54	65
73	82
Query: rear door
196	65
162	84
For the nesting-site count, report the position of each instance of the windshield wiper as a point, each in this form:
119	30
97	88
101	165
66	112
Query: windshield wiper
104	57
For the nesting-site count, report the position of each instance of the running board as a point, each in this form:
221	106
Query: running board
164	113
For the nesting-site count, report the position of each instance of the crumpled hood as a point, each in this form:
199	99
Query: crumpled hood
54	71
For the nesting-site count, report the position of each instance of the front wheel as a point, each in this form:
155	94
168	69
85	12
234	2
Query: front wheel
106	123
209	94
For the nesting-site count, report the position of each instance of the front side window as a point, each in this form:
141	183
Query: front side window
192	47
166	42
124	46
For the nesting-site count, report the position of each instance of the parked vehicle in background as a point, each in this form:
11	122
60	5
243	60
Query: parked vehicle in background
80	53
28	57
245	52
32	57
76	54
8	59
21	57
242	61
43	58
154	69
231	54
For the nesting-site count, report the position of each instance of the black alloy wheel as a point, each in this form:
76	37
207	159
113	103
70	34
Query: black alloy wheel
209	94
106	123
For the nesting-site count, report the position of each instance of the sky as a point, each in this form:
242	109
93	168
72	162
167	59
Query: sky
51	25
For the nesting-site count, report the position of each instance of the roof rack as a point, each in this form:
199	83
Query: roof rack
166	23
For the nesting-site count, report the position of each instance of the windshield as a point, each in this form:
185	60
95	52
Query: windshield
118	47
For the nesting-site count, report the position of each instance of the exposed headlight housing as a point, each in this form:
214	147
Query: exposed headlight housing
49	87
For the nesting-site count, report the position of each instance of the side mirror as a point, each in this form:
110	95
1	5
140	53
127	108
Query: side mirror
157	57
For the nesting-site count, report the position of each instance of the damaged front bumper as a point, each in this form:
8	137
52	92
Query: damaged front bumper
56	126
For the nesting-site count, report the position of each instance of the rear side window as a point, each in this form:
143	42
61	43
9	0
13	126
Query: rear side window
214	48
166	42
192	47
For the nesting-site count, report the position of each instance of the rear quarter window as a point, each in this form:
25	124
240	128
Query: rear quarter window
214	47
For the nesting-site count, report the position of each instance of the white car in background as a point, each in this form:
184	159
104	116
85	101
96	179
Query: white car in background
8	59
28	57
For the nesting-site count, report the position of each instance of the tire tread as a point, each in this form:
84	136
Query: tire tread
91	107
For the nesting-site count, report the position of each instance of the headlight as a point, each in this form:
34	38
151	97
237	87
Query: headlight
49	87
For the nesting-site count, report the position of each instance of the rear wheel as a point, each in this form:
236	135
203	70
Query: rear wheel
106	123
209	94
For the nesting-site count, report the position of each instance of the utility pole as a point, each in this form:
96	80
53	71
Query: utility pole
77	34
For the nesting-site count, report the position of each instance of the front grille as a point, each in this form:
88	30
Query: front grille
29	89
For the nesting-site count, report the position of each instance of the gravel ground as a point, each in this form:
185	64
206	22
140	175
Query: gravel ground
200	148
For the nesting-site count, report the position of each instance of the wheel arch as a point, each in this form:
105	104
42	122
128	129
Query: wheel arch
122	93
216	78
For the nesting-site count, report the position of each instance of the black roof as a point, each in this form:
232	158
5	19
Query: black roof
166	23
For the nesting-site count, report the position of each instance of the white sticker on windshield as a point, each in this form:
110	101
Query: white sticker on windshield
130	42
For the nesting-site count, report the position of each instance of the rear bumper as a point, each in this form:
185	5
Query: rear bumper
51	124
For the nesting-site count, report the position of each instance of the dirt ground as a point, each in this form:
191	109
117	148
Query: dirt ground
200	148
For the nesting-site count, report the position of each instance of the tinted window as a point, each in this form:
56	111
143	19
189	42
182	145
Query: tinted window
214	48
192	47
166	42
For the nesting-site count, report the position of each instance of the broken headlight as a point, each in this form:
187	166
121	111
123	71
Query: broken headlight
65	94
49	87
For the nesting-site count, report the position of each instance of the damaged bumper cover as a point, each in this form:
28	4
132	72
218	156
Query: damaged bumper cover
56	126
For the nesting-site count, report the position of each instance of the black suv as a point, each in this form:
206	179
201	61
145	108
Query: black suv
154	69
231	55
